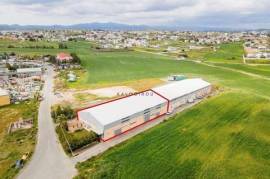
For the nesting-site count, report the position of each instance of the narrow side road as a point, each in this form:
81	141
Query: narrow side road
49	160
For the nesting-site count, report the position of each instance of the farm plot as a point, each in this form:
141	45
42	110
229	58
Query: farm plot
14	145
210	140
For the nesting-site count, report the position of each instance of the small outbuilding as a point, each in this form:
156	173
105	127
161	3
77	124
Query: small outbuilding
63	58
28	72
4	97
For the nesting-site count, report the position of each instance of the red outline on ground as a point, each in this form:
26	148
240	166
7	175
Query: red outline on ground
168	102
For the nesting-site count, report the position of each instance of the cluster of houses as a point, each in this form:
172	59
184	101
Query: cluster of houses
127	39
20	79
257	46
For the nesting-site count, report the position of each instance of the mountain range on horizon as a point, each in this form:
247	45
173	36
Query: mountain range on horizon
116	26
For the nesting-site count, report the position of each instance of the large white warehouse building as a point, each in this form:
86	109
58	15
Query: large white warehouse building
182	92
118	116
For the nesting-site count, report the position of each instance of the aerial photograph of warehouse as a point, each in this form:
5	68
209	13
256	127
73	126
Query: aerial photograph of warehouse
115	117
125	89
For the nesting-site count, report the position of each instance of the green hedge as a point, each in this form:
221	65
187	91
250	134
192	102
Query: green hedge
259	61
62	113
76	139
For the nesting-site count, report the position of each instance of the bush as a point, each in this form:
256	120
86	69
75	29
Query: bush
52	59
76	59
76	140
62	46
62	113
260	61
11	46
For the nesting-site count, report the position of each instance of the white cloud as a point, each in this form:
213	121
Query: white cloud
150	12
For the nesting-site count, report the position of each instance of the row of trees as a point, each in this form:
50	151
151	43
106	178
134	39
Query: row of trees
62	46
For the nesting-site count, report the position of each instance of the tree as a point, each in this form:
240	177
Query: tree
11	46
68	112
52	59
76	59
58	111
10	67
62	46
12	54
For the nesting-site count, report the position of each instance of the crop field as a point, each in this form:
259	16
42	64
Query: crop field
127	66
263	70
210	140
230	53
14	145
224	137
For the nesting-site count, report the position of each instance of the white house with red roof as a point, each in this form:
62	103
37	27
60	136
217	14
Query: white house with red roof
63	57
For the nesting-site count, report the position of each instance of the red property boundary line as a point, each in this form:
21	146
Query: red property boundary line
149	90
163	98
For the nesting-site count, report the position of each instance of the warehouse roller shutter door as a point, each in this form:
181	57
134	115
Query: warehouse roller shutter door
118	131
147	117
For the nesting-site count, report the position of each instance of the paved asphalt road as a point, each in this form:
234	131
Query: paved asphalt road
49	160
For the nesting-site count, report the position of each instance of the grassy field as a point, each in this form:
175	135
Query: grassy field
106	68
224	137
14	145
22	47
263	70
208	141
230	53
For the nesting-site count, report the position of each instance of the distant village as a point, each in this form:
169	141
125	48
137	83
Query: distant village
256	44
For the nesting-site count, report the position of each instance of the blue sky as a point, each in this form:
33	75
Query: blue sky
212	13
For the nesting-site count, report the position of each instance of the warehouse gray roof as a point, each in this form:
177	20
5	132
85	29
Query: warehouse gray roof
3	92
116	110
181	88
28	70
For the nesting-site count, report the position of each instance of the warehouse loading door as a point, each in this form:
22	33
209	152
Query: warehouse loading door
118	131
147	116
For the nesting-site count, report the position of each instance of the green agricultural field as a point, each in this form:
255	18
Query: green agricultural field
199	54
231	122
229	52
14	146
224	137
126	66
20	47
263	70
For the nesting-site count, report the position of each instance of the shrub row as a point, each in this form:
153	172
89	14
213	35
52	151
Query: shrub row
76	140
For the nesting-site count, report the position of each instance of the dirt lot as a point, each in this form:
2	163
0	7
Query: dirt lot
86	97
